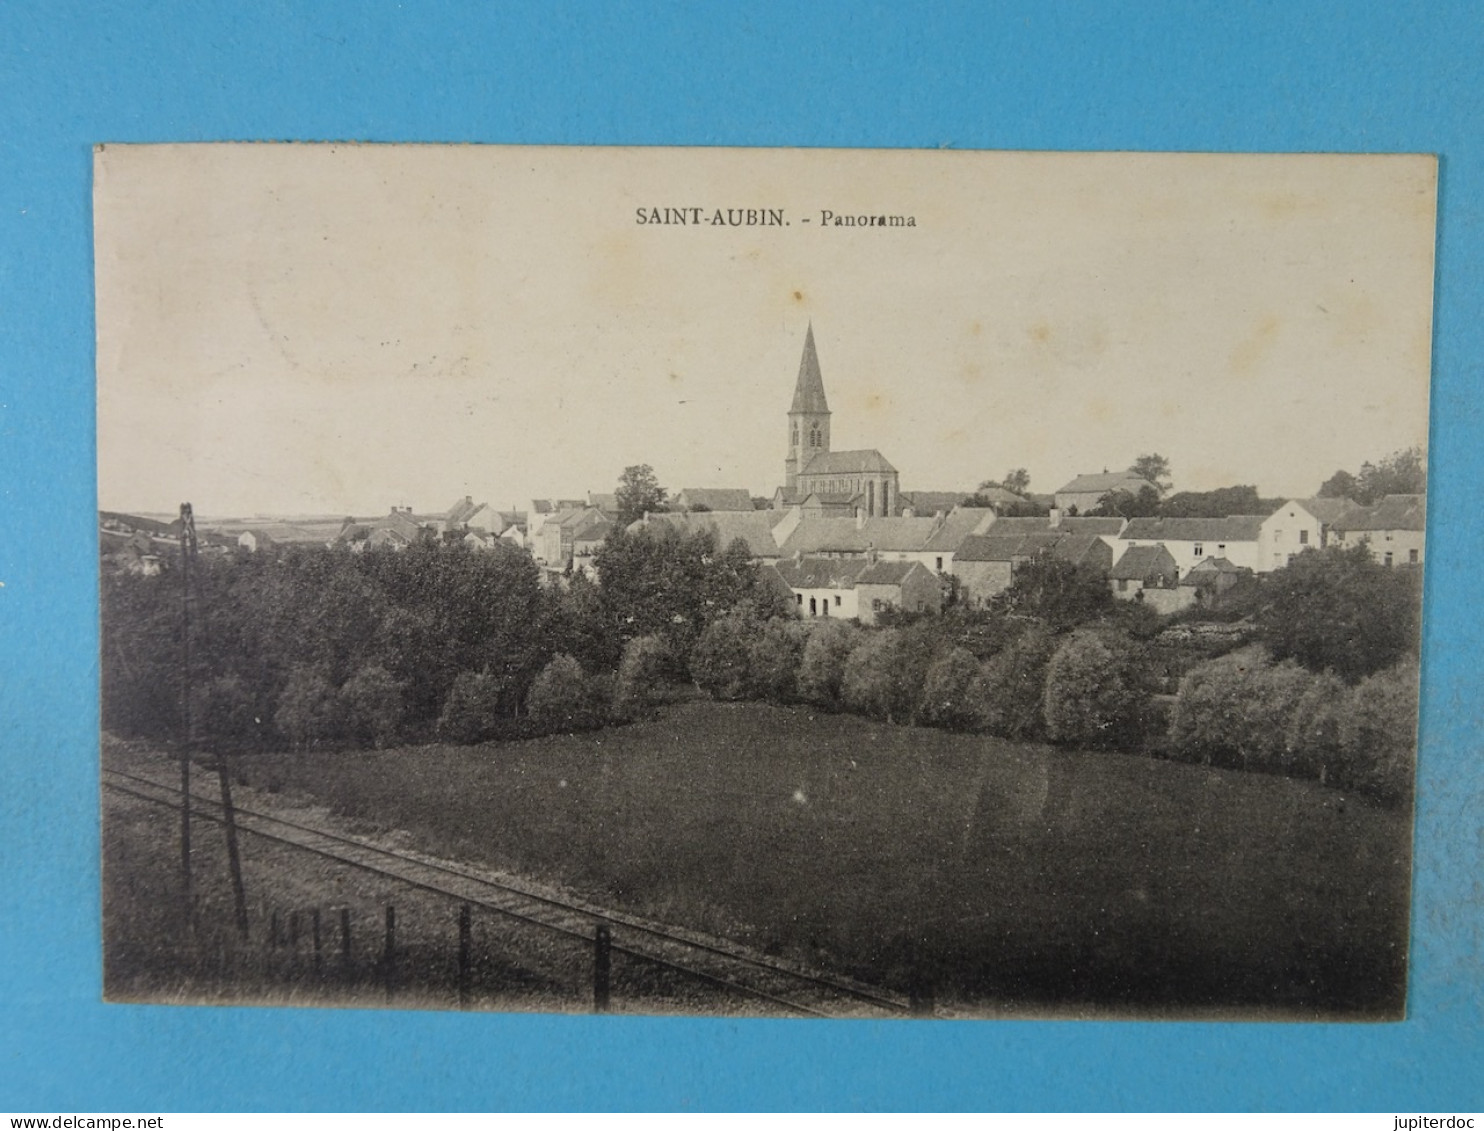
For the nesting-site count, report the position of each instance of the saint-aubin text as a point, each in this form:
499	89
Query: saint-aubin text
697	216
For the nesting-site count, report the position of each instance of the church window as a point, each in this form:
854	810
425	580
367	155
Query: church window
796	436
870	499
814	436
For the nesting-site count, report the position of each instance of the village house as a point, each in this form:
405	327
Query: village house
1147	573
1394	529
1189	540
1299	525
1085	492
761	531
1208	581
986	564
714	499
858	588
909	586
561	532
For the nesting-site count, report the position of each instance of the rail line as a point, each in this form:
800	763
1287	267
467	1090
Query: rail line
708	959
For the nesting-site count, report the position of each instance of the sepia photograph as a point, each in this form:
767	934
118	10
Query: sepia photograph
775	582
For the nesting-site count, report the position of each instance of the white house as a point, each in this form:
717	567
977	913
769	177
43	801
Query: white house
1394	529
1189	540
1299	525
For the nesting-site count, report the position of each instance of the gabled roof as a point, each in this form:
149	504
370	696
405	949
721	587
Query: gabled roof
1091	524
461	510
809	389
1331	512
1207	570
1394	512
755	528
930	503
887	573
1237	528
717	498
831	498
847	535
593	526
1105	482
1140	562
957	525
821	573
994	548
847	463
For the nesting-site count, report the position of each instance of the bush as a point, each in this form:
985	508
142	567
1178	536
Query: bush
1314	728
773	660
1378	735
1009	692
879	678
371	704
946	697
642	670
822	665
471	713
720	660
1095	692
223	715
307	708
1241	710
562	698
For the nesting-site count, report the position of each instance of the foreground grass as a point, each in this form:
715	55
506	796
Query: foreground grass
1011	877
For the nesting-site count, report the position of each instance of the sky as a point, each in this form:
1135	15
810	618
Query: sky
331	329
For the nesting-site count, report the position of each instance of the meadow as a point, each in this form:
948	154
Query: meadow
1009	878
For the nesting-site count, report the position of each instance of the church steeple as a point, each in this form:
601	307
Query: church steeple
809	391
808	417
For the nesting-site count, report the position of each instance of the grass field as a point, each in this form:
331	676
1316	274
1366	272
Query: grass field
1013	878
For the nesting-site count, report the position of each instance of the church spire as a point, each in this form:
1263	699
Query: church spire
809	392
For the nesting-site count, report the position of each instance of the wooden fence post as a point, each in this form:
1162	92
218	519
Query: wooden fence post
465	931
314	930
345	939
602	967
389	955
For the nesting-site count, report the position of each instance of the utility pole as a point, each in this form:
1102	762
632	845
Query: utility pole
187	552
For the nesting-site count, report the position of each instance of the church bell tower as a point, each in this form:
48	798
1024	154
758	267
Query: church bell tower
808	417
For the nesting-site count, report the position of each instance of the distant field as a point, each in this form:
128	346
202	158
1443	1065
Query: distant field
1013	877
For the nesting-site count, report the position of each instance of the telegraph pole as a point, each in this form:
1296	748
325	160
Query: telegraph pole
187	552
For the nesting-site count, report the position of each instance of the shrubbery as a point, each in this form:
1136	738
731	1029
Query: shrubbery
822	665
1096	693
1378	735
1009	692
947	692
371	704
646	661
473	709
563	698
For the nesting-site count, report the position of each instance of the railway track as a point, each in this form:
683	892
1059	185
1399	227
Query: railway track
708	959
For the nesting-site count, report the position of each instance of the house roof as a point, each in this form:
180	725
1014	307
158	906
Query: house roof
1205	571
755	528
848	535
957	525
1331	512
1092	524
1105	482
847	463
809	389
1138	562
993	548
832	498
1394	512
887	573
1236	528
1003	527
461	510
821	573
930	502
718	498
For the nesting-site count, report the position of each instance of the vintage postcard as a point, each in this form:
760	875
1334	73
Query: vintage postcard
761	582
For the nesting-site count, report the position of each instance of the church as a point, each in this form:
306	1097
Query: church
825	483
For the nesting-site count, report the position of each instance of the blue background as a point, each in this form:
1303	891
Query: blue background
1286	76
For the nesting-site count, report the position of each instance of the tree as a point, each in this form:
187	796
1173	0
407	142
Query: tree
822	666
1155	468
1124	504
639	493
721	659
371	704
1009	693
473	709
774	657
642	670
1096	694
1338	610
1401	473
872	683
946	698
561	697
1017	480
1220	503
1378	735
306	711
1056	592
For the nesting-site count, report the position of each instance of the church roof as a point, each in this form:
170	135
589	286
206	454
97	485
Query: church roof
809	391
847	463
